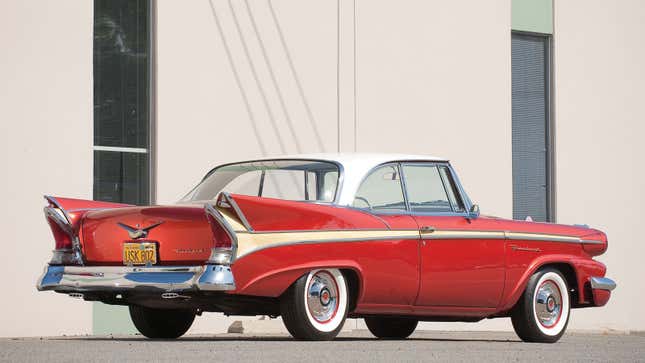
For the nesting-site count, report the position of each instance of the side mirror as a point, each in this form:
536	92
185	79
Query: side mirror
473	212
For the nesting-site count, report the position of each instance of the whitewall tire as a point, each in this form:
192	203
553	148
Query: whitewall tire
315	306
542	313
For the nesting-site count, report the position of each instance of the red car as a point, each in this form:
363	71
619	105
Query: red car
393	239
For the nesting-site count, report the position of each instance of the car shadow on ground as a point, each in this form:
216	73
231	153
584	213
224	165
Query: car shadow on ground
241	338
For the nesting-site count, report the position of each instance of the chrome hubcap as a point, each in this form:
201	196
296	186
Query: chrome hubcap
548	304
322	296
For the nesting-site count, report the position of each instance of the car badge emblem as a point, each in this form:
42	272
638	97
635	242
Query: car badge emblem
136	232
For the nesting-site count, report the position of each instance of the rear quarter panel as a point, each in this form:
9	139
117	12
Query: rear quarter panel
387	270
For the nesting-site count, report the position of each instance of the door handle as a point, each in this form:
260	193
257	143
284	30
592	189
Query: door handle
427	229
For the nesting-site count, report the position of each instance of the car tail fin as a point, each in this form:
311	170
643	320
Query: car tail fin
64	216
223	220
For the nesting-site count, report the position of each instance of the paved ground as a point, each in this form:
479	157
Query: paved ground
354	346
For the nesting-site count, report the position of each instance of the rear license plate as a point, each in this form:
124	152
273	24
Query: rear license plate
139	253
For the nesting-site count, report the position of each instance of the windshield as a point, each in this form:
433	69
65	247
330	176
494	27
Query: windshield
302	180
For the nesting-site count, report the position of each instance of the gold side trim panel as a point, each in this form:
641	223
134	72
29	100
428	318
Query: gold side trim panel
251	242
235	223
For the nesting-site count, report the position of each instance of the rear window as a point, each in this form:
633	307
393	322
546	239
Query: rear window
301	180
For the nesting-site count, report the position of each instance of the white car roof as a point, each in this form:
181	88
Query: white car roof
355	167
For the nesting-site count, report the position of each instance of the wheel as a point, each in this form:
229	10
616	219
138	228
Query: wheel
315	306
391	328
542	313
161	323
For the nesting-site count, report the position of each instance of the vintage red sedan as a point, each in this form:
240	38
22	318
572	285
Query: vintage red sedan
393	239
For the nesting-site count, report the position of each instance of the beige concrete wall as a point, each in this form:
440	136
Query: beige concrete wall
46	141
599	98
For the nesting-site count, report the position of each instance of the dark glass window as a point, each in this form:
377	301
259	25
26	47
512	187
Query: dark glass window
531	129
122	100
121	177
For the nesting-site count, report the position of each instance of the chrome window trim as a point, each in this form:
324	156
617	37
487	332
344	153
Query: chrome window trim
460	190
341	174
443	185
404	186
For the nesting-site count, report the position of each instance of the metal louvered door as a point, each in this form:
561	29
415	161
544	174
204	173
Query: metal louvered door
531	116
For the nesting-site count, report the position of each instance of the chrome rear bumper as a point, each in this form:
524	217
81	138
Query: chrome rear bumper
118	278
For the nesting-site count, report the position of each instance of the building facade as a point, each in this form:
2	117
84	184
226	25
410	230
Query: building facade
537	103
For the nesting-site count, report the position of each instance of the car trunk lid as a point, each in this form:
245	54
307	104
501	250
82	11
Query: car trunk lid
180	234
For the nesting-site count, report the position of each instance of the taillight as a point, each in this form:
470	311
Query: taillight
224	239
67	247
221	238
62	239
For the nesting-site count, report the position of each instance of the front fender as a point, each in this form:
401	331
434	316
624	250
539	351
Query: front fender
275	282
584	269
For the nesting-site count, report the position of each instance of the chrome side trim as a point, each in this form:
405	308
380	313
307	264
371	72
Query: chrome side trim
602	283
460	234
116	278
250	242
448	234
332	230
526	236
238	211
541	237
591	242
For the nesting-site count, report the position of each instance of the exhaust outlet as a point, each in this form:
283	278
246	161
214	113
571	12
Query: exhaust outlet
76	295
173	295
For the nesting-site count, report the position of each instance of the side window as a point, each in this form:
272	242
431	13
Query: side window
284	184
245	184
381	190
426	192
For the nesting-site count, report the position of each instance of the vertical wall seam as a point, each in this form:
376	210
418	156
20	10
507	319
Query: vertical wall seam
355	80
152	100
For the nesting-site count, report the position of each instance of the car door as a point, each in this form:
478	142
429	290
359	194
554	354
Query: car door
461	259
391	266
